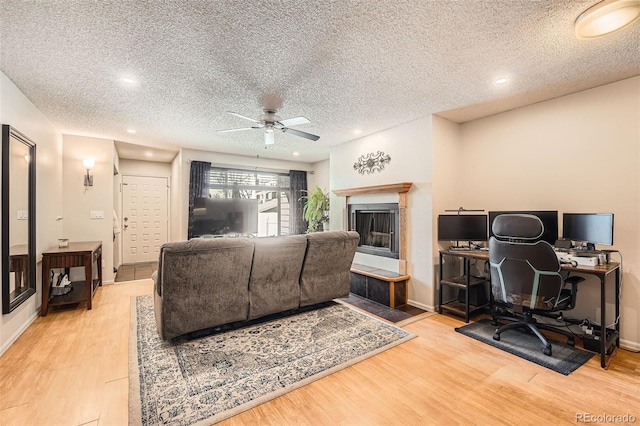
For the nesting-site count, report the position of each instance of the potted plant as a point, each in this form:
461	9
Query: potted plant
316	209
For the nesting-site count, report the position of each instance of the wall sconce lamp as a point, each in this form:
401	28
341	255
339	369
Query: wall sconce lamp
88	164
605	17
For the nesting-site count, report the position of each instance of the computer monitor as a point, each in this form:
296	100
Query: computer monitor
549	220
592	228
464	227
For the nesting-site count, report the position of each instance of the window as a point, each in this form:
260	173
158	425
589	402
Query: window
272	190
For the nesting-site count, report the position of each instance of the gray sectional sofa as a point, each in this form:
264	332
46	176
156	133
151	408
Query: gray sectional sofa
203	283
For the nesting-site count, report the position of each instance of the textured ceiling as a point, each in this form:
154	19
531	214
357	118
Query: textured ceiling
344	65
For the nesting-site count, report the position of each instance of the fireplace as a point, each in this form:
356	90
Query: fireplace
378	227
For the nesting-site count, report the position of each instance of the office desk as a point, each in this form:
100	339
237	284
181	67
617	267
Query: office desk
77	254
600	271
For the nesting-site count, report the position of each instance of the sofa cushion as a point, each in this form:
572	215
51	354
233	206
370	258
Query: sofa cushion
325	270
274	285
204	283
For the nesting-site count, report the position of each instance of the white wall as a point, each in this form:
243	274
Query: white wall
18	111
577	153
117	208
80	201
220	160
176	215
319	176
144	168
447	181
409	146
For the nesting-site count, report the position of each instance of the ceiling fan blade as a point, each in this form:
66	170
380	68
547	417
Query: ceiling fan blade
242	116
301	134
268	138
235	130
294	121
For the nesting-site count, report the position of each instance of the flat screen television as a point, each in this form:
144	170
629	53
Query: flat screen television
221	216
549	220
463	227
591	228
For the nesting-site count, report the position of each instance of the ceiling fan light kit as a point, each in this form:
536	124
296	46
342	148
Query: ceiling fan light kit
269	121
605	17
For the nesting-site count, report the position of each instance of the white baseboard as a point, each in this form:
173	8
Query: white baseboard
629	345
422	306
17	334
108	282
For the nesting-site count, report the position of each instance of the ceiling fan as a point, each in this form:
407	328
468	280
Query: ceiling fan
271	122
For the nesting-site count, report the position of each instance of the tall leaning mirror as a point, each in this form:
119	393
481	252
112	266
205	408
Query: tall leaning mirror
18	218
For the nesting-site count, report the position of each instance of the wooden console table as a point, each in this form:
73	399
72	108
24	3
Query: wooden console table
83	253
19	265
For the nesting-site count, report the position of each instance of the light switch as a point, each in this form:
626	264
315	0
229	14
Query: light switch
96	214
23	214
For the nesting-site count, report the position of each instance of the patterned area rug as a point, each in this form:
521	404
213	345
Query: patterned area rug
209	379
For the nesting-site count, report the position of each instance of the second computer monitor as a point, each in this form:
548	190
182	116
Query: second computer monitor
592	228
549	220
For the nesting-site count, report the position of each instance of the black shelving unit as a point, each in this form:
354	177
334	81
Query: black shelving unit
466	282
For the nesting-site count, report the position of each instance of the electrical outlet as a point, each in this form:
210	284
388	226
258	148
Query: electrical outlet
589	331
96	214
23	214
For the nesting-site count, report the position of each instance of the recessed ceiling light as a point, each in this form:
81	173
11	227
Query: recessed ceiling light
605	17
357	131
148	154
501	81
296	153
132	131
128	81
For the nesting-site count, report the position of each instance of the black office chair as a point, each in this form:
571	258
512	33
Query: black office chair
526	277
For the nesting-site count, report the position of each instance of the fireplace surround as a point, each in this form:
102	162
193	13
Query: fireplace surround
401	189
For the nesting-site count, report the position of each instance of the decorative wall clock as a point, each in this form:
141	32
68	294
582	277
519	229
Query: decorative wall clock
371	162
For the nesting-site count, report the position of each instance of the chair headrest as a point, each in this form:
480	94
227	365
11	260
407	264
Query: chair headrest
517	226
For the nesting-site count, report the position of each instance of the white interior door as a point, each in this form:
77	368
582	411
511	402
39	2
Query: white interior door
145	211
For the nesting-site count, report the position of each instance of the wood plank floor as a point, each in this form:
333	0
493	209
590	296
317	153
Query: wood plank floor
70	368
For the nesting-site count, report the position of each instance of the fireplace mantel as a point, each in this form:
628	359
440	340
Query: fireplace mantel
400	188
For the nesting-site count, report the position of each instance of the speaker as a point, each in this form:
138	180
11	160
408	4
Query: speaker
562	244
477	295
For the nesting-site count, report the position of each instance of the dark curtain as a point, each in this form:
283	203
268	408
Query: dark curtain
297	224
199	178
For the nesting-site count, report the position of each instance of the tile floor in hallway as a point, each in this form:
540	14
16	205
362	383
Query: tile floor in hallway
136	271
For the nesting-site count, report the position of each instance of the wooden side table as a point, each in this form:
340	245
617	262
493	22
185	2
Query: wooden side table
19	265
83	253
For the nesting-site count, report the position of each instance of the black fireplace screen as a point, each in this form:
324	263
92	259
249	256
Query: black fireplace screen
377	225
374	229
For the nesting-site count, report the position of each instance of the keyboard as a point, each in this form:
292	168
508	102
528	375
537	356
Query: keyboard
587	253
